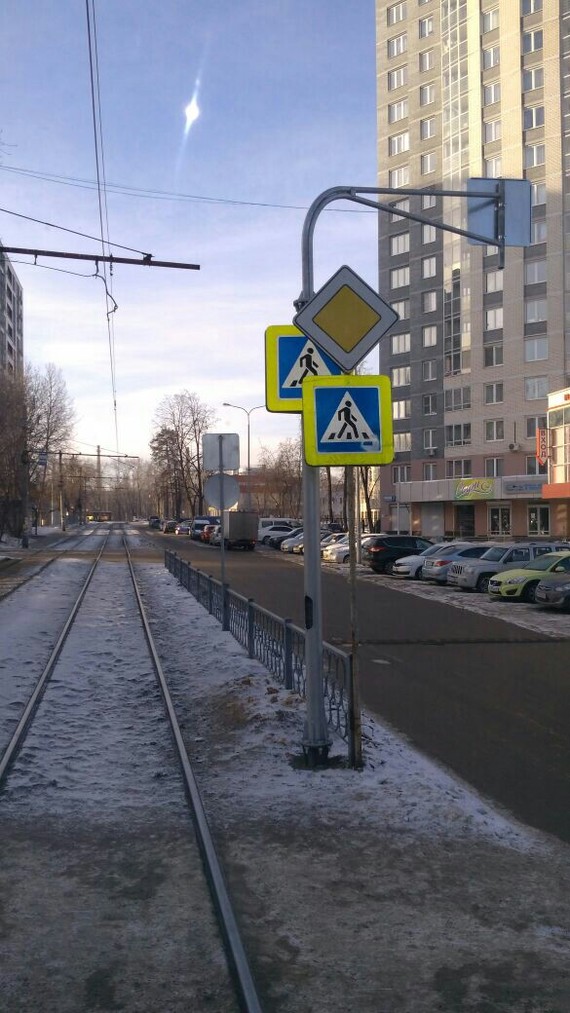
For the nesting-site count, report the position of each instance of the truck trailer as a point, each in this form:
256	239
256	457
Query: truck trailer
240	529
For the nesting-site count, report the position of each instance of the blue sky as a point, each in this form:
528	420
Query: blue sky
286	92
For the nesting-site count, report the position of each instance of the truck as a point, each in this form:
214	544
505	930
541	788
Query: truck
240	529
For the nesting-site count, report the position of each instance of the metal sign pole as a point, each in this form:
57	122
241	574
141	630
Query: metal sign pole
222	528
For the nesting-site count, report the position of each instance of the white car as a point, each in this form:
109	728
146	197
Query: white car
411	566
339	552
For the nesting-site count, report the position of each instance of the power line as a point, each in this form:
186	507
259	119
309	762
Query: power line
74	232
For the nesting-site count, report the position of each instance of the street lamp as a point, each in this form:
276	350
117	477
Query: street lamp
248	411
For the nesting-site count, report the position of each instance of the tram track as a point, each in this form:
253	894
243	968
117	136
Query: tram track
240	973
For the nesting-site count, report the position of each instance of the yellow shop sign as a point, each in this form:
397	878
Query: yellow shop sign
474	488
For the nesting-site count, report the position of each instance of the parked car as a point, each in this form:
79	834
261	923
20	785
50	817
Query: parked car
274	529
382	551
411	566
207	532
216	536
154	522
198	525
554	591
287	544
333	538
169	527
522	584
183	527
276	541
474	574
270	522
436	568
339	552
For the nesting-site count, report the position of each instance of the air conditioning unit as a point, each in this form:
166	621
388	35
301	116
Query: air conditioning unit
514	446
431	451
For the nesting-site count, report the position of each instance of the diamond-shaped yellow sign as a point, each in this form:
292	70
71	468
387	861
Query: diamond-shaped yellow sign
346	318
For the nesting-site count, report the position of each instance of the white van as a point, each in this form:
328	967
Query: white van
268	522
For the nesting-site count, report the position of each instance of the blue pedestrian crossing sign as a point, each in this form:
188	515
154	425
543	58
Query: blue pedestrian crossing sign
291	357
347	420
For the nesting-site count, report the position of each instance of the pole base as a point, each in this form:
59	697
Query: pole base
316	756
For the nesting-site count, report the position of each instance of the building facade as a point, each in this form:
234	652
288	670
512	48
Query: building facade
11	319
472	88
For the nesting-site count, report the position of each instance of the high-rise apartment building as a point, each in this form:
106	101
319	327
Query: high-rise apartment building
11	319
473	88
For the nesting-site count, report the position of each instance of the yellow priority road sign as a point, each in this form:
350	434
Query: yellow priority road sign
347	420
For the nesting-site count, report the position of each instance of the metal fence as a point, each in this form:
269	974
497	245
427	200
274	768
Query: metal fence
276	642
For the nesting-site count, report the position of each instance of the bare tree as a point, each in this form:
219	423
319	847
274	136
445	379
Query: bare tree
49	423
281	478
180	421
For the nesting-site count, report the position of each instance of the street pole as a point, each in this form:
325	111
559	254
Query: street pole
248	411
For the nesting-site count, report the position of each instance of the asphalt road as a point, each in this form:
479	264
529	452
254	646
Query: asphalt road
488	699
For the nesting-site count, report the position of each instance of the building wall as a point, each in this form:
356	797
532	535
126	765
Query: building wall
11	319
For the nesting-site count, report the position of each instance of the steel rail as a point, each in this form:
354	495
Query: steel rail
238	962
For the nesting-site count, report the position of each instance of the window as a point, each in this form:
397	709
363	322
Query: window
429	369
399	177
427	60
397	78
537	232
402	308
403	205
429	267
425	26
429	301
491	57
428	163
534	422
493	281
429	234
458	435
457	399
430	439
490	20
429	200
430	472
537	194
399	276
534	467
534	272
400	344
398	143
539	519
493	393
535	349
399	243
396	13
398	45
534	154
535	387
499	520
532	41
401	473
535	311
533	78
492	167
491	94
401	409
493	467
429	404
402	442
533	117
493	354
429	335
427	94
400	376
494	430
458	469
427	128
492	131
494	318
397	110
531	6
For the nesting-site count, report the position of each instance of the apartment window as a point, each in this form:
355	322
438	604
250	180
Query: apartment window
399	244
403	205
428	163
493	281
399	177
535	349
400	344
402	308
398	143
457	399
430	439
399	276
532	41
531	6
400	376
538	232
429	267
491	94
397	110
458	435
427	60
425	26
534	422
533	78
401	473
402	442
491	57
533	116
534	467
492	167
537	194
493	354
534	154
429	370
535	387
429	301
398	45
490	20
427	94
429	336
429	234
458	469
401	409
429	403
494	318
493	467
397	78
534	272
499	520
430	472
535	311
493	393
397	13
494	430
427	128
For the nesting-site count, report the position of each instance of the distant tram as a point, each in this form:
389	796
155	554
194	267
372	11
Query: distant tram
100	515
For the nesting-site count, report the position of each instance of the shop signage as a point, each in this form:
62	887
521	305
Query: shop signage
542	445
474	488
531	486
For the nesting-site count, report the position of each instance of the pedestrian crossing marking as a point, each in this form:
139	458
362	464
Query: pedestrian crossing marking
349	425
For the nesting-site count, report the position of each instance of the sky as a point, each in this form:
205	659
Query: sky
282	107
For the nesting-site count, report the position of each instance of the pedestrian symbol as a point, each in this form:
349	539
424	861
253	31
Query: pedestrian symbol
291	358
349	425
347	420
